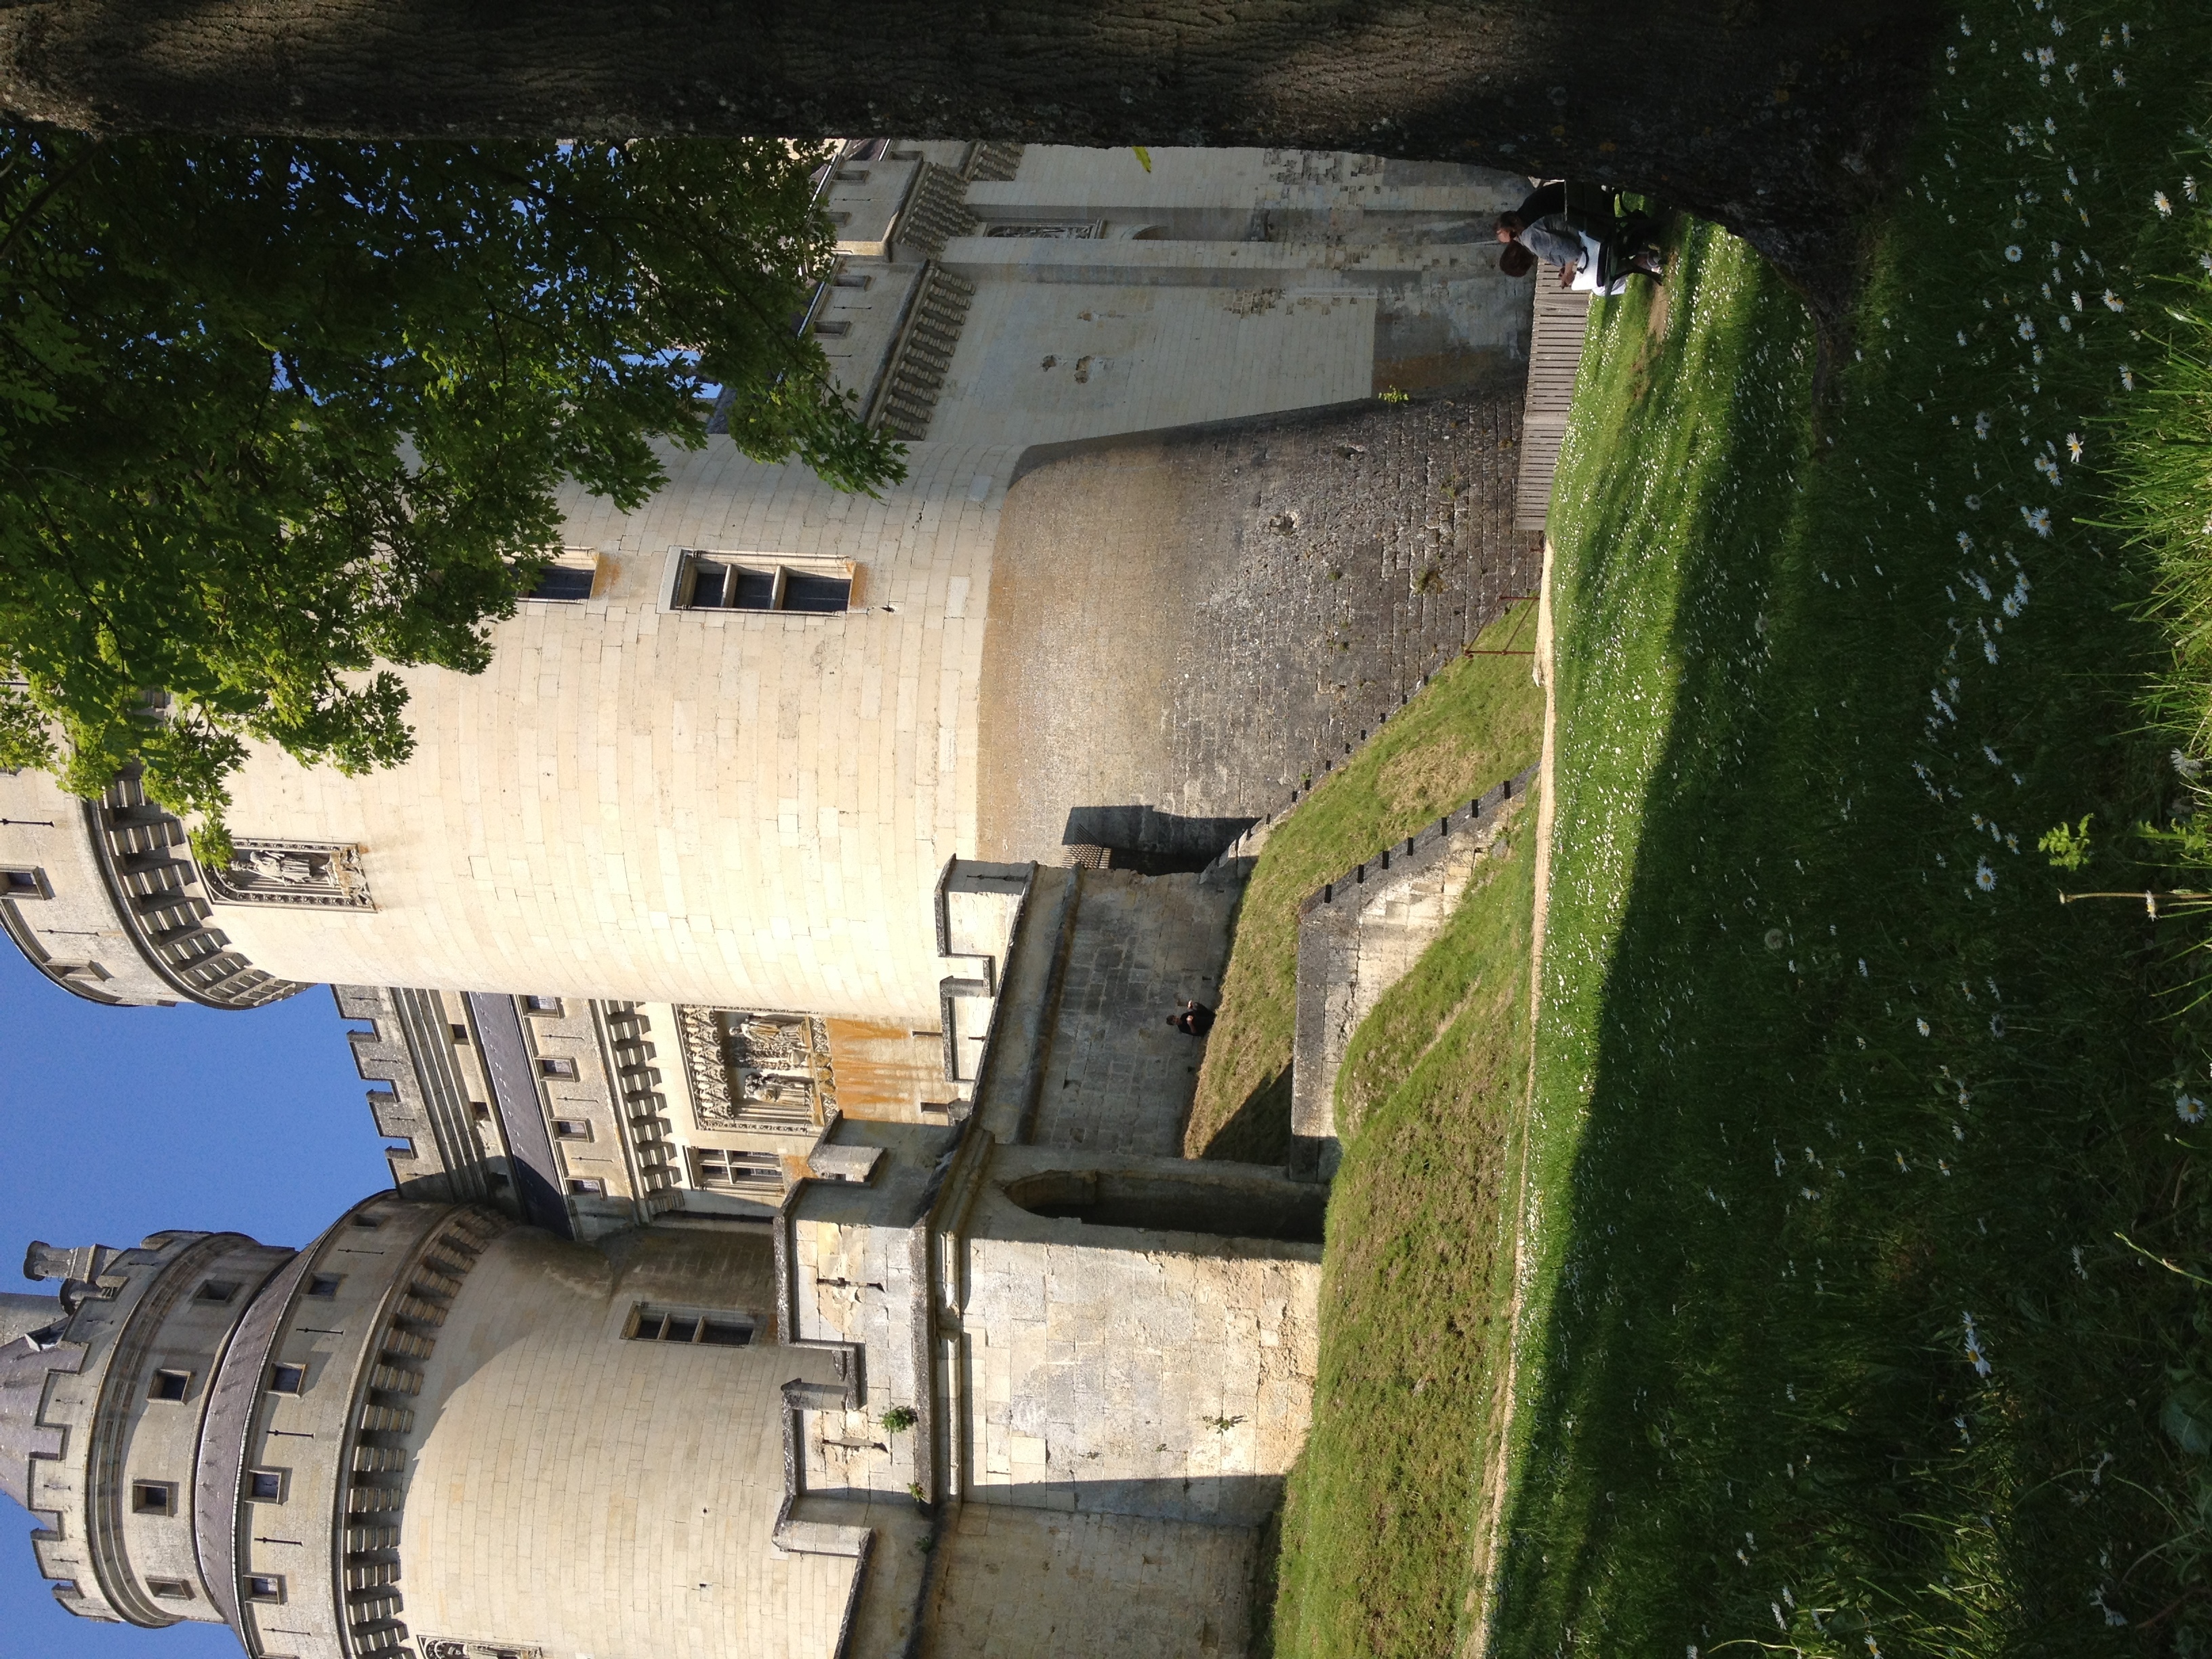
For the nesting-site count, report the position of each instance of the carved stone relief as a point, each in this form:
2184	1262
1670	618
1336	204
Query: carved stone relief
457	1647
1052	230
321	873
758	1071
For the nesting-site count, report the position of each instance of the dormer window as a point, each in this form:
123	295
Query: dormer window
721	581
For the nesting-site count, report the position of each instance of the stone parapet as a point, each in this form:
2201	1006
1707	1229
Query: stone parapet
1360	934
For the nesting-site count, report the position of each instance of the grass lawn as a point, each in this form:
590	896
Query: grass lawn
1376	1528
1835	1344
1866	1179
1478	722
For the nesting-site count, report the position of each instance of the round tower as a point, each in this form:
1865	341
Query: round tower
105	900
724	764
430	1433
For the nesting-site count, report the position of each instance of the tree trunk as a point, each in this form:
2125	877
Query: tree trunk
1778	118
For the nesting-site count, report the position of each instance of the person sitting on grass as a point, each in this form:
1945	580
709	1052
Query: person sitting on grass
1196	1019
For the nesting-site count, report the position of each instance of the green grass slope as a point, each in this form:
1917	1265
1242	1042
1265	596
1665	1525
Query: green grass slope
1479	721
1377	1522
1845	1132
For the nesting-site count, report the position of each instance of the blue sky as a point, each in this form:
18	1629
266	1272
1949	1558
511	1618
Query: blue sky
118	1122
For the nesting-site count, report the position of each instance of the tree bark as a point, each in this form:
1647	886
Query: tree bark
1779	120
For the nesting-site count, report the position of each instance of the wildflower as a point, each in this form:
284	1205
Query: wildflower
1965	543
2051	125
2065	323
2113	302
2119	77
1863	968
2079	1271
1962	340
2038	520
1981	425
2165	207
2044	56
2073	447
1997	1026
1922	1026
2013	254
1989	649
1973	505
2188	1107
1985	877
2077	297
2187	766
2127	378
1974	1349
2188	186
2027	328
1872	1649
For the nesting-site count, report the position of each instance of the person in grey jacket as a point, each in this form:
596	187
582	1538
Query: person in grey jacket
1567	240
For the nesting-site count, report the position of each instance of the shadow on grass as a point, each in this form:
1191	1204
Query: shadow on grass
1840	1098
1259	1131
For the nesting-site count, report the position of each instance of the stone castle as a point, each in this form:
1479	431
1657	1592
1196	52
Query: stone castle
760	974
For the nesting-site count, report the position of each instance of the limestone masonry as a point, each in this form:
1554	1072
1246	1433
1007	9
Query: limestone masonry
760	973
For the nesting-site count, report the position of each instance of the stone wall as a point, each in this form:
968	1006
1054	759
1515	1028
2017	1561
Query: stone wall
1014	1584
1361	934
1148	1370
1194	621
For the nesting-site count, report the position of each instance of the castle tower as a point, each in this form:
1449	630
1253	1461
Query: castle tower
435	1434
429	1431
722	755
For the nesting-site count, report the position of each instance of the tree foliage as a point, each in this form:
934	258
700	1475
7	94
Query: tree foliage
276	415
